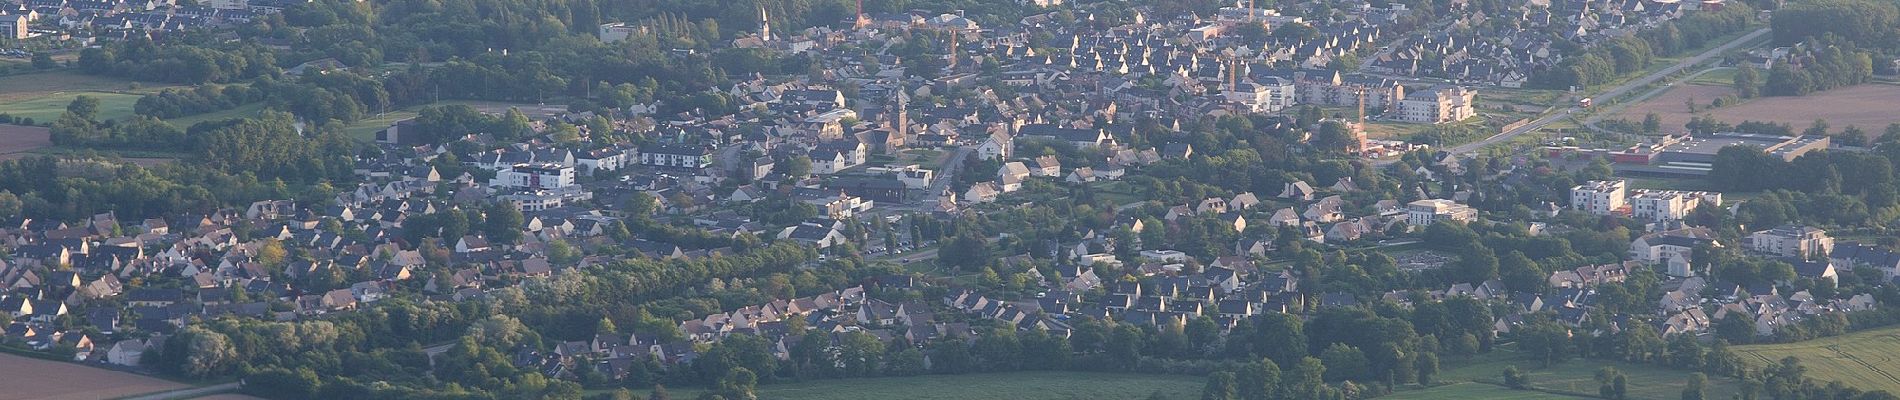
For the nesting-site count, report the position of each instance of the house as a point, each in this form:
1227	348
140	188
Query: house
1674	249
1011	175
1047	166
471	244
982	192
997	146
1328	210
1852	255
1297	191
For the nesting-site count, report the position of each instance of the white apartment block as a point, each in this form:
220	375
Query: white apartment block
1439	105
1424	213
1792	241
537	176
1599	197
1669	205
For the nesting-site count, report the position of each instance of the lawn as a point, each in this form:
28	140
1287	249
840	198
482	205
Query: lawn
1016	385
364	130
1864	360
1576	377
1720	76
1475	391
48	108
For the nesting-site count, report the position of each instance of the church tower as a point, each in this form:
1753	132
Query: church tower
765	25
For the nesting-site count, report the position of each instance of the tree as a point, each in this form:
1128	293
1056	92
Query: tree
1220	386
44	60
966	250
1515	378
1427	368
85	107
1652	123
502	223
739	383
1693	390
1547	341
1748	81
1259	380
1279	337
1613	384
1345	363
197	352
659	393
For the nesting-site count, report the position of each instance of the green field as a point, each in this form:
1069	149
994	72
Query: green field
1721	76
46	109
1475	391
1574	377
44	95
1015	385
1864	360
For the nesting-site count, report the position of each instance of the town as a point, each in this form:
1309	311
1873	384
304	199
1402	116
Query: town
1302	200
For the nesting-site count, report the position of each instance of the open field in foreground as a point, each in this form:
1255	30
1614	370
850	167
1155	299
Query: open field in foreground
31	378
1868	360
1047	385
1869	106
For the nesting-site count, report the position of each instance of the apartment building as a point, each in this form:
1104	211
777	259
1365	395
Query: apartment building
1424	213
1440	105
1599	197
1791	241
1669	205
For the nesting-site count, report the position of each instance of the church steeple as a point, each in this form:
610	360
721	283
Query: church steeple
765	25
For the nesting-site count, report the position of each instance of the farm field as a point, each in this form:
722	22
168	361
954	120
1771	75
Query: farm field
43	96
17	140
1046	385
1577	377
72	381
1864	360
1869	106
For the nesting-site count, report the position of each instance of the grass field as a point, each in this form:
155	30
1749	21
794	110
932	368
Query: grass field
1475	391
1864	360
44	95
1574	377
58	380
1016	385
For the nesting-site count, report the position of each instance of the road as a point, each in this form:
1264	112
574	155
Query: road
1611	93
189	393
